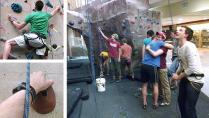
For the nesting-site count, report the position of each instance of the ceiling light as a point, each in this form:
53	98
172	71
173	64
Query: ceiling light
180	19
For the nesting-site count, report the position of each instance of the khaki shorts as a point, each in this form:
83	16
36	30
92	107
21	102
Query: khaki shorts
36	42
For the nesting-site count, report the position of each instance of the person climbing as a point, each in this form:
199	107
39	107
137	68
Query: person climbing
125	54
13	107
35	39
113	49
104	56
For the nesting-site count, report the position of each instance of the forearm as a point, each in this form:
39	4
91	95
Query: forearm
169	46
13	107
151	52
155	53
55	11
182	75
103	35
17	25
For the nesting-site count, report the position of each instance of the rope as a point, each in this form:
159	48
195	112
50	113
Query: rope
27	93
170	12
100	46
92	59
91	46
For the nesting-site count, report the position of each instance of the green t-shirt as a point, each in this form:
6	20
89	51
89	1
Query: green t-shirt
39	22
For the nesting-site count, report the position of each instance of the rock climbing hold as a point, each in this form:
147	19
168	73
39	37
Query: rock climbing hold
71	23
80	21
48	4
45	101
54	46
16	7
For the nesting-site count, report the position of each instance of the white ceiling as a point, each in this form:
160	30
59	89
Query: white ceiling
188	17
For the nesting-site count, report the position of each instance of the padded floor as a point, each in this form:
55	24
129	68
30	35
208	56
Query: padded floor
120	101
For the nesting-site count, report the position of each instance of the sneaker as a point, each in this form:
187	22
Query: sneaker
154	106
144	107
167	103
162	104
132	77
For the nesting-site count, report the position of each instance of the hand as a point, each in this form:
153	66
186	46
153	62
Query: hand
99	29
58	7
118	59
175	77
39	82
11	18
147	47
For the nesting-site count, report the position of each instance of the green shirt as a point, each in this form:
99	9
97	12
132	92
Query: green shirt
39	22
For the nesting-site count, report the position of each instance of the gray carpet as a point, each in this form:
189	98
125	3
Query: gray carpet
119	101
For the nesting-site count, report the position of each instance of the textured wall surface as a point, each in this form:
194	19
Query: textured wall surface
7	31
128	18
11	74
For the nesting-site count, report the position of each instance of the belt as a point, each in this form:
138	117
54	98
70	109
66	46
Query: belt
197	75
40	35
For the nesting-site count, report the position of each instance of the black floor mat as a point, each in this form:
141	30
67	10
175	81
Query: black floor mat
121	100
77	110
74	95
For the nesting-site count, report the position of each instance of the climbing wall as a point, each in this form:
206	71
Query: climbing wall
8	31
128	18
11	74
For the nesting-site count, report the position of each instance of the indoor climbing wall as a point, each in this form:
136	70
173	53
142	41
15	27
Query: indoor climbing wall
8	31
128	18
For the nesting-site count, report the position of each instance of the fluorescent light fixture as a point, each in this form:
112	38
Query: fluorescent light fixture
180	19
200	26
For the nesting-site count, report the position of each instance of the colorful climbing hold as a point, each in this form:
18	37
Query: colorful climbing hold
48	4
16	7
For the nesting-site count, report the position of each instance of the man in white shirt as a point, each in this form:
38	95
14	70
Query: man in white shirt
189	73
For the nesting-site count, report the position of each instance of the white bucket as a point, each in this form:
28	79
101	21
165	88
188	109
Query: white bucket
100	82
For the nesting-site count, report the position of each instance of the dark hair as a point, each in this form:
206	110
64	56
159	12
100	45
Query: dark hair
188	31
39	5
124	40
150	33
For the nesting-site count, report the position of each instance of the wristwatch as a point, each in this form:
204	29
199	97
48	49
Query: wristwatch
22	86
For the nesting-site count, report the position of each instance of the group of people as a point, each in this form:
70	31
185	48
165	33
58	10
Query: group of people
118	56
185	68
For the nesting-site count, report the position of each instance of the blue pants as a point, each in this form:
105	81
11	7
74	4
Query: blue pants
174	66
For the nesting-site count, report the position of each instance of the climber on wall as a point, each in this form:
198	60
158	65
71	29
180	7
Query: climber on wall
35	39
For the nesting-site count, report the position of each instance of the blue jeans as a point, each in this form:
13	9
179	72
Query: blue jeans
187	98
174	66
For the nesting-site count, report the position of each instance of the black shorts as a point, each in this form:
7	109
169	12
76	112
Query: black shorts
149	73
